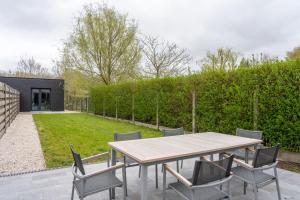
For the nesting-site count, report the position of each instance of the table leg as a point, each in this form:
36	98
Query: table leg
144	182
246	161
113	162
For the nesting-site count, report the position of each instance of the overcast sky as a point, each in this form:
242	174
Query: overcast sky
37	28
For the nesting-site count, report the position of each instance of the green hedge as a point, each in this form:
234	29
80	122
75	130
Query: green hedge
265	97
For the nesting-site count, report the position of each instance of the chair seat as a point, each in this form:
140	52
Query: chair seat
97	183
207	193
246	175
240	153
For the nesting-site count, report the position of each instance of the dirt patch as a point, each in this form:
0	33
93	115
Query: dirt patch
294	167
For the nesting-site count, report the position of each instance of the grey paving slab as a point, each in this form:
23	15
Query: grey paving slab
56	185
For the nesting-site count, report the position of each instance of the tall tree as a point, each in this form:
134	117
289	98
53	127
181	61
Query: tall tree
223	58
103	45
28	67
163	58
294	54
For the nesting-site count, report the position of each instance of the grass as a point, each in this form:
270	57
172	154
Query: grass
89	135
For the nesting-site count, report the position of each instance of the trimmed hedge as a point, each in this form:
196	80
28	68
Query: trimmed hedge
265	97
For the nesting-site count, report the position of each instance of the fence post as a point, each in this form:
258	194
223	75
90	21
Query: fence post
133	102
194	111
103	107
9	106
117	108
5	106
157	112
87	104
255	108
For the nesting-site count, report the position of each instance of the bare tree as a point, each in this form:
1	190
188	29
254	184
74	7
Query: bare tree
224	58
103	45
258	59
294	54
28	67
163	58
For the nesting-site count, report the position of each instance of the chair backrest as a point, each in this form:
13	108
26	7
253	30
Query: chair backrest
265	156
77	160
173	132
249	134
128	136
209	171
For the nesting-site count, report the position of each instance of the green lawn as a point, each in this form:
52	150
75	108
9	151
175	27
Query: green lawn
89	135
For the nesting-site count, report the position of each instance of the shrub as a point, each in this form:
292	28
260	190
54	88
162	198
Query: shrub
265	97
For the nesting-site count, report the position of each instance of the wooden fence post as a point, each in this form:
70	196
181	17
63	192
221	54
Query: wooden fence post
87	104
5	107
117	108
157	112
255	108
103	107
9	107
133	102
194	111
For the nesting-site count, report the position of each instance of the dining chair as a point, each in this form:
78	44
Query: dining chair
264	159
174	132
87	184
206	181
240	153
128	161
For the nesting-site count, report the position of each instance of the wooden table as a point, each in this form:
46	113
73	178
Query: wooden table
152	151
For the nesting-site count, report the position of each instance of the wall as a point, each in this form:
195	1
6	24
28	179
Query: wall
24	85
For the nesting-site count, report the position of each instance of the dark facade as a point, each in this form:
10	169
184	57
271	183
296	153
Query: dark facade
38	94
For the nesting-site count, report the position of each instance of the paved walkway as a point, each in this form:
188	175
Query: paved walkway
56	185
20	148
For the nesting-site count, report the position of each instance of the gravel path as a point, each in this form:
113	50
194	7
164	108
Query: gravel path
20	148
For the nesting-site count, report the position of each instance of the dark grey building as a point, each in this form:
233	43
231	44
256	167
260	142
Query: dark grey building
38	94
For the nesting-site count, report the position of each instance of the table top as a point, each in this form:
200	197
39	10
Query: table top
160	149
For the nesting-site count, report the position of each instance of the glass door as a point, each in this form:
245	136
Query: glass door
40	99
35	99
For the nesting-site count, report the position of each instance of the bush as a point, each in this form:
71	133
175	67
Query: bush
265	97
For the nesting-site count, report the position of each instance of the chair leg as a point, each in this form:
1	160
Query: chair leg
164	183
177	165
255	192
181	164
228	190
125	181
156	176
277	184
139	171
109	191
72	195
124	185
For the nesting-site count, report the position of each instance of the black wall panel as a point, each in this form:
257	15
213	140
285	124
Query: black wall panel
24	85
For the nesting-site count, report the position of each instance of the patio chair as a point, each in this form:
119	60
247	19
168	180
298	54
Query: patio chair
98	181
265	158
174	132
240	153
206	182
128	161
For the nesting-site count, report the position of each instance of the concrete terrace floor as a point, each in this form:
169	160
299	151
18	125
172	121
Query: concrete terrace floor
56	185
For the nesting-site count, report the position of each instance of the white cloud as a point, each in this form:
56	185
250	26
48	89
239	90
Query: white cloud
37	28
